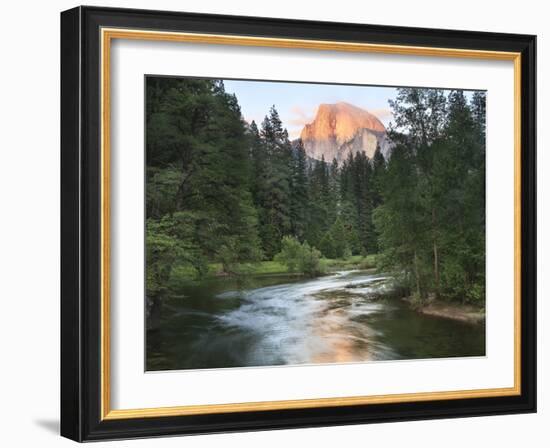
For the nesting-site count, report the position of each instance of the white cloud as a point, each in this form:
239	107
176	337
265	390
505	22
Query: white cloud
299	116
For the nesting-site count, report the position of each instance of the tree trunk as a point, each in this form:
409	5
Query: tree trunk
416	274
436	254
436	269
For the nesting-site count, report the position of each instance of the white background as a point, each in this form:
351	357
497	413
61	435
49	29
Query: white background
132	388
29	233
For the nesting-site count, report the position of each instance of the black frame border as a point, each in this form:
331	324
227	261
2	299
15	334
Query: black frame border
81	223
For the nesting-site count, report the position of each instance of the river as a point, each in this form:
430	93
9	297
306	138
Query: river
282	320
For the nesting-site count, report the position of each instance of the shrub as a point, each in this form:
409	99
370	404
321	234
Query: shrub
299	257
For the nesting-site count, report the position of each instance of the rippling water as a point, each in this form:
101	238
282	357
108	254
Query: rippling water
284	320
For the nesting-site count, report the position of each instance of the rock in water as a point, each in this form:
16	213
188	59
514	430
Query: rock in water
341	128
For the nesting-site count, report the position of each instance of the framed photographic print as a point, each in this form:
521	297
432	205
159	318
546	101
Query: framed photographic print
275	224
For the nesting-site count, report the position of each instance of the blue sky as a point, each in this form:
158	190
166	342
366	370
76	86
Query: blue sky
297	102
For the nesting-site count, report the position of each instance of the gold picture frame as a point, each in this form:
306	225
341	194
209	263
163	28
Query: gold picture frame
108	35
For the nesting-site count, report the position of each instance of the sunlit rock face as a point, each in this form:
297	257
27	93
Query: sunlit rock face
341	128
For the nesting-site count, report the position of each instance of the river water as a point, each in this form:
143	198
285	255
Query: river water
283	320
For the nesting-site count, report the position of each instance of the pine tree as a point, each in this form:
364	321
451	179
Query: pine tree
357	192
348	204
334	243
333	191
318	192
299	193
378	168
431	220
478	107
276	219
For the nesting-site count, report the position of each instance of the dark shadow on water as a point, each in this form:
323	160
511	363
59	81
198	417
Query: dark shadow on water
48	425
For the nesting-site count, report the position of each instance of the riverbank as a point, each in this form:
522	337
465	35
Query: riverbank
273	268
463	313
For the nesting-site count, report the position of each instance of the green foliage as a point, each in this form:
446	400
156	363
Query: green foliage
168	244
350	262
161	252
318	217
275	170
310	261
299	257
326	245
358	196
291	250
431	218
270	267
299	192
199	204
334	243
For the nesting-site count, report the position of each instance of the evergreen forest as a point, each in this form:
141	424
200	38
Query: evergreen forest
225	197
